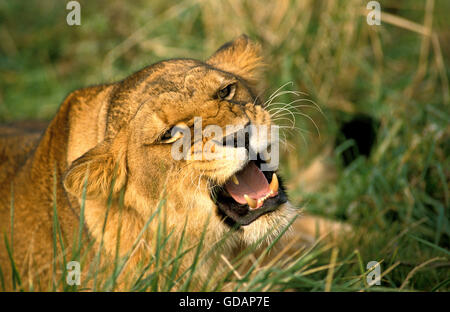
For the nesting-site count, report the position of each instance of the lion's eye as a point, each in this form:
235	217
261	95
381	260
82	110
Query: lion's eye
166	136
174	134
227	93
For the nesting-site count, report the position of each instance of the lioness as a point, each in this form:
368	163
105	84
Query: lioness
115	141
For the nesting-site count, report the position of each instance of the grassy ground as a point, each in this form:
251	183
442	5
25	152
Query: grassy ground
397	73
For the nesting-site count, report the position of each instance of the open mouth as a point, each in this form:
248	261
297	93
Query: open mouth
249	194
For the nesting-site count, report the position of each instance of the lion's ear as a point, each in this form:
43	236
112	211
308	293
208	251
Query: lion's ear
104	166
241	57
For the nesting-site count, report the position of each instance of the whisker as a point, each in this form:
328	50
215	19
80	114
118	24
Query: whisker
281	109
284	118
268	102
274	93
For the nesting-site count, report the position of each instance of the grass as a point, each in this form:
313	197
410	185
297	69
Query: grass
397	198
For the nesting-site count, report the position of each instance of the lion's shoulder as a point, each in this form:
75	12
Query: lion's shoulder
17	140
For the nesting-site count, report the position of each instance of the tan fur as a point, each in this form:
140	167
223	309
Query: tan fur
111	133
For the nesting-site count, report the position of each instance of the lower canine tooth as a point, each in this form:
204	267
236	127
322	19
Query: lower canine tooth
274	184
250	201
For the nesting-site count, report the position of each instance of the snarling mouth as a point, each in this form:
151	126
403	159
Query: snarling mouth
249	194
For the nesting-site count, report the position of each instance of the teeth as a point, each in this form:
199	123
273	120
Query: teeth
274	184
235	180
251	202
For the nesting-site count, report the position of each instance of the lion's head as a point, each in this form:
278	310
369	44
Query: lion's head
152	113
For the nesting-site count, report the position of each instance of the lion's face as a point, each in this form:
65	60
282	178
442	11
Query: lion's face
159	137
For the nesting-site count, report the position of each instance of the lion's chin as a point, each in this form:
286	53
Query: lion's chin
269	226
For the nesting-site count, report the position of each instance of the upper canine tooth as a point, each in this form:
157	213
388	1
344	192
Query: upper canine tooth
274	184
235	180
250	201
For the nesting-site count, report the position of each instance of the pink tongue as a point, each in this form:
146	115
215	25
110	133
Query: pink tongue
251	182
